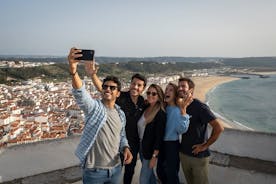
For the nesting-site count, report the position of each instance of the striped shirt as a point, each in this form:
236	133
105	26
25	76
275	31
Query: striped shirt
95	117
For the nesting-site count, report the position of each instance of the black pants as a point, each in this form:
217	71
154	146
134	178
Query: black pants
169	163
129	168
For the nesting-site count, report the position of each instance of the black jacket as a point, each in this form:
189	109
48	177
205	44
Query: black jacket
133	113
153	135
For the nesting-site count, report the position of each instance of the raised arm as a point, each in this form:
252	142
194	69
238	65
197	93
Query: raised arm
183	124
73	66
83	98
91	70
184	119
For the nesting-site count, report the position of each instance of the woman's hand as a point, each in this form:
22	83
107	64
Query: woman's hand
183	103
152	162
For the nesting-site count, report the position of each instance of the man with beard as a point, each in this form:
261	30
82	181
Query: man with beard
132	103
194	152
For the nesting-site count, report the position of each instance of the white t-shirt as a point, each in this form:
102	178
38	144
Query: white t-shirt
141	127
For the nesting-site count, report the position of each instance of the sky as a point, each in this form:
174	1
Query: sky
144	28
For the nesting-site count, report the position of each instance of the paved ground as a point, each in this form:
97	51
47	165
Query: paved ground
137	173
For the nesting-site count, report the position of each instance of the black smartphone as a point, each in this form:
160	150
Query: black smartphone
86	55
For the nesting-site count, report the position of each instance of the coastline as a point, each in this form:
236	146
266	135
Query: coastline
266	73
204	84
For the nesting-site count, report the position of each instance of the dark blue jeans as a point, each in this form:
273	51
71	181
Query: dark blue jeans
102	176
130	168
169	163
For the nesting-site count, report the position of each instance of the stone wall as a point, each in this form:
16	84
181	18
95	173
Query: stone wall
238	157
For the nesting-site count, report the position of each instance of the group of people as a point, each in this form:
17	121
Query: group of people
165	129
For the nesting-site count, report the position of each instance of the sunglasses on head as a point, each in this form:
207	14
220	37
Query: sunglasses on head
151	93
112	88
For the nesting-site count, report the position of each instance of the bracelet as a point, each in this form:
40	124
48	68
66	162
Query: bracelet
73	74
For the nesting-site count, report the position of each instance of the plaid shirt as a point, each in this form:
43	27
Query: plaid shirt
95	117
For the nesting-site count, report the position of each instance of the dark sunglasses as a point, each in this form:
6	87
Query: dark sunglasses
151	93
112	88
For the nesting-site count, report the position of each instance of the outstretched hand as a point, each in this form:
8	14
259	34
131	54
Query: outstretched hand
91	68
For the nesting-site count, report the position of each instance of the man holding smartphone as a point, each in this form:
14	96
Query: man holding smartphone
132	103
104	131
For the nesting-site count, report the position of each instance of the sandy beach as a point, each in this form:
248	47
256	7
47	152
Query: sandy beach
204	84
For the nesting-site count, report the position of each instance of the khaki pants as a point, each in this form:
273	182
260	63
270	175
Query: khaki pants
195	169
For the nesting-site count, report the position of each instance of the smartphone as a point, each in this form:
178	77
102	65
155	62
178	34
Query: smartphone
87	55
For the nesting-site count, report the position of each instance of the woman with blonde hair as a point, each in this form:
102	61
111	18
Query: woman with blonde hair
177	124
151	128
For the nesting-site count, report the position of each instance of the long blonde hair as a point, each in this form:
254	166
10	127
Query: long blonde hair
158	105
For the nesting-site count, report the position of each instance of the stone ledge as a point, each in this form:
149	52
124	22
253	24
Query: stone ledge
244	163
73	174
62	176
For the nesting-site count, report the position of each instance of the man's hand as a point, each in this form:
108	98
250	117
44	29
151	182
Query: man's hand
127	156
217	129
91	68
199	148
72	59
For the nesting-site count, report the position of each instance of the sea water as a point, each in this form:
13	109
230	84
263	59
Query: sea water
250	103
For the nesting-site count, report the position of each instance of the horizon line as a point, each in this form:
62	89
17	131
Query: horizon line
48	55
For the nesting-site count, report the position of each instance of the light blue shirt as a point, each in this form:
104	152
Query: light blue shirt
176	125
95	117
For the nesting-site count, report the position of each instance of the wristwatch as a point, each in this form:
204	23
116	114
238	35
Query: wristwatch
154	155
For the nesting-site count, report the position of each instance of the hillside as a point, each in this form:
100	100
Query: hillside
158	65
59	71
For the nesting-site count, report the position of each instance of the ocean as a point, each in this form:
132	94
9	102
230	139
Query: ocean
248	103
